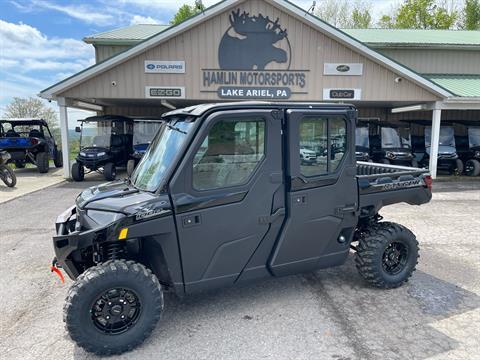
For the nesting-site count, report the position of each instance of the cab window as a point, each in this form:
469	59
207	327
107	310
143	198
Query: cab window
229	153
323	144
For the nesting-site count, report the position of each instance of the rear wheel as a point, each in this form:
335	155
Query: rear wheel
42	162
78	172
130	167
109	172
58	161
458	167
113	307
8	176
387	255
472	167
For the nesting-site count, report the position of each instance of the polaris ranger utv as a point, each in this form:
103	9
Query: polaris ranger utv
105	143
221	197
144	130
29	141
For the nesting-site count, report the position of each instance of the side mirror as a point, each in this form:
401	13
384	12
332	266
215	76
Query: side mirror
77	129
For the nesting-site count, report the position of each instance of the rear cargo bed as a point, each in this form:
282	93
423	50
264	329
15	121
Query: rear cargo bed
381	184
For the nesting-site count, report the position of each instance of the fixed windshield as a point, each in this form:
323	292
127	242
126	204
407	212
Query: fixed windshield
96	134
144	131
447	137
160	156
395	138
361	137
474	136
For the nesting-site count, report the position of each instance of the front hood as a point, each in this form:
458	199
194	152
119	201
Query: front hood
118	196
443	150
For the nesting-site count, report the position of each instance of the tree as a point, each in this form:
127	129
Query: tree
420	14
33	108
471	15
345	14
186	11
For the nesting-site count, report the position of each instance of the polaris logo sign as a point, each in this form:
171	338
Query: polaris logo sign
164	67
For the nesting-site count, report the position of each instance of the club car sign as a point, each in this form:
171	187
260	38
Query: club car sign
249	45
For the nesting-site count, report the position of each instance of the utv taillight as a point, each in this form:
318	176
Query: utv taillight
428	182
34	141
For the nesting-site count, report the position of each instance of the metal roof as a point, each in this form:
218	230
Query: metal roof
376	37
416	37
460	85
127	36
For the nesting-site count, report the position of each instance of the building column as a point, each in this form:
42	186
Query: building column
64	136
435	139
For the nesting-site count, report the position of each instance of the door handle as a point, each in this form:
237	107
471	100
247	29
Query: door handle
268	219
191	220
348	208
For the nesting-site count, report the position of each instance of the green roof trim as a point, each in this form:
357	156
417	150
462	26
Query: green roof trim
129	35
415	37
460	85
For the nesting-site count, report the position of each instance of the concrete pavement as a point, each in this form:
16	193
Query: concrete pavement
329	314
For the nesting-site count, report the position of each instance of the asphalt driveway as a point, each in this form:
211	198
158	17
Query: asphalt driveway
329	314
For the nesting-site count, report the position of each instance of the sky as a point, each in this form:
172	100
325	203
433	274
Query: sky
41	40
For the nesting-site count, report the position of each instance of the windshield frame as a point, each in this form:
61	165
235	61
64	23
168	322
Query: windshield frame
450	129
473	132
170	124
138	122
397	132
362	131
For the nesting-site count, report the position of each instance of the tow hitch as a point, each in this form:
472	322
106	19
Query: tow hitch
55	268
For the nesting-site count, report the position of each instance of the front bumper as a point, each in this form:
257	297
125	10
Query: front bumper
93	163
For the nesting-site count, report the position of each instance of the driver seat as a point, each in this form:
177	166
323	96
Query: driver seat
11	133
35	133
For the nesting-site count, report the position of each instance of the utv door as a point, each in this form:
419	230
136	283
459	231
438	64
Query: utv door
321	196
229	198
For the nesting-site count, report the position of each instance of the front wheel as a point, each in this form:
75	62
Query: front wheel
8	176
78	172
472	167
109	172
113	307
42	162
58	160
387	254
130	167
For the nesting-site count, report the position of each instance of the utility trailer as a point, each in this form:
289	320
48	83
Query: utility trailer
222	197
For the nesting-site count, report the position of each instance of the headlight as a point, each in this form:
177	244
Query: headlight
390	155
477	153
82	153
101	153
104	217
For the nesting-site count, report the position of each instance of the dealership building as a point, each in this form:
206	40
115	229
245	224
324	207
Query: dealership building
273	50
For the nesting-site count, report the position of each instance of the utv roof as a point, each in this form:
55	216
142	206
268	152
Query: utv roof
198	110
24	121
107	117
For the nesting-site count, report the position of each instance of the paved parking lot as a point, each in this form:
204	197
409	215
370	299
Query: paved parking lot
329	314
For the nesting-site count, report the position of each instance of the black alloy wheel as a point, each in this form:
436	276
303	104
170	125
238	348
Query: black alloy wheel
395	258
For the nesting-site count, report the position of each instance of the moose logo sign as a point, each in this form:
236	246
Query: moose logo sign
254	58
249	43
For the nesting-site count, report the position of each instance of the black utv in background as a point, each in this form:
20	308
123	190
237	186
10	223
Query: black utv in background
362	143
448	159
105	144
391	144
222	197
468	149
144	130
29	141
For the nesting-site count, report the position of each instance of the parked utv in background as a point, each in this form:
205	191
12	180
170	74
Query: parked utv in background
448	159
29	141
105	144
222	197
468	149
391	144
362	143
144	130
